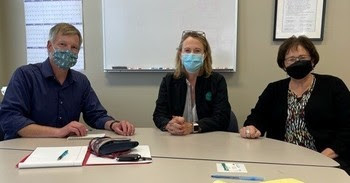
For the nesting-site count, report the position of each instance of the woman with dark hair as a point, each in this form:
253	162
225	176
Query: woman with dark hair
306	109
194	98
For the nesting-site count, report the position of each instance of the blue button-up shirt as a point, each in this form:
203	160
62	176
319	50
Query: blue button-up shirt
35	96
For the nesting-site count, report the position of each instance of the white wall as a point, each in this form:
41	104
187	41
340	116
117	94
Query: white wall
13	36
132	95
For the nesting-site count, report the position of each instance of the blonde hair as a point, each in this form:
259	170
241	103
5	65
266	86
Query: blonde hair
64	29
206	69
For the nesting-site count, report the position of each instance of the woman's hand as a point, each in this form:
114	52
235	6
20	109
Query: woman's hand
178	126
329	153
249	132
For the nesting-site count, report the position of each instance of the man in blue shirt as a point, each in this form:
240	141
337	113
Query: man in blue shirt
46	99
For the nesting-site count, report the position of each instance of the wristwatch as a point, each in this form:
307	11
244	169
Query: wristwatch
195	127
110	125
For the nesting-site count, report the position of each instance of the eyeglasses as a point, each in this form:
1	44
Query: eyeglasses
294	59
200	33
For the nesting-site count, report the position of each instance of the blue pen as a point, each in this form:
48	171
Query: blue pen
62	155
251	178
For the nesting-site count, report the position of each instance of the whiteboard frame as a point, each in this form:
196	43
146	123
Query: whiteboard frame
143	70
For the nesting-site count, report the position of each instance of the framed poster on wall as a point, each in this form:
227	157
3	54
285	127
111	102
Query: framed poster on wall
299	17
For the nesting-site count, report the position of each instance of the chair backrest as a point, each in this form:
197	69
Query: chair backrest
233	126
1	135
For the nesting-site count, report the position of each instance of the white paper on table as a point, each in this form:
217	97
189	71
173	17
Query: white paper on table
231	167
43	157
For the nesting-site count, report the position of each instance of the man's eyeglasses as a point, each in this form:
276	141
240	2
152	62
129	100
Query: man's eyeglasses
185	32
294	59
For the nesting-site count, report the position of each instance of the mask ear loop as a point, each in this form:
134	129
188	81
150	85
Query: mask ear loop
312	63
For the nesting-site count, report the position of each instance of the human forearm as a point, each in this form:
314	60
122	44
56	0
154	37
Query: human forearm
34	130
162	114
161	122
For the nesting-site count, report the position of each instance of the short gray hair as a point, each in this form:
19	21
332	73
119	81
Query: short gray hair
65	29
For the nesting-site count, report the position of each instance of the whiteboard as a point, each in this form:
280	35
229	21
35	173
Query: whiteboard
140	35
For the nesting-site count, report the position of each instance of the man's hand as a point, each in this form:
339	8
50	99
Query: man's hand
124	128
73	127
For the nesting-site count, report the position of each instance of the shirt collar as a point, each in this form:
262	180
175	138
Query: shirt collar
46	69
47	72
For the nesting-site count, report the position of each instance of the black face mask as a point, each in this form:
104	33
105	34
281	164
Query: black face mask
299	69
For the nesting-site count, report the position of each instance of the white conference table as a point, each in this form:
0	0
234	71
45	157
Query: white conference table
161	170
219	146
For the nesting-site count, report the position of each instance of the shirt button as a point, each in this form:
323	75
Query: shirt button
60	117
61	102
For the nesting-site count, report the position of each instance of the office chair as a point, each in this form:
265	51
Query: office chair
1	135
233	125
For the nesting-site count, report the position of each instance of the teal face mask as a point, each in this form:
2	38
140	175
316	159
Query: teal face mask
64	59
192	62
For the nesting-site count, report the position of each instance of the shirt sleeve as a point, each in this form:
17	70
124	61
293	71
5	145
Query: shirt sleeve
258	117
161	114
94	114
341	143
15	107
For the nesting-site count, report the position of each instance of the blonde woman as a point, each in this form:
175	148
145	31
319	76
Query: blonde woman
193	99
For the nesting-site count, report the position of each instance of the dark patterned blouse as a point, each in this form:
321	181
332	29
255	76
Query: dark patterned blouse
296	130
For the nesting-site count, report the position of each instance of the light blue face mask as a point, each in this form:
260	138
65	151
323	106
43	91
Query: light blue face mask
64	59
192	62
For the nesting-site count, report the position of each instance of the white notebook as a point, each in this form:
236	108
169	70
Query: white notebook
48	157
